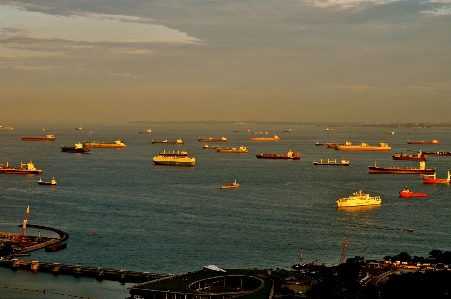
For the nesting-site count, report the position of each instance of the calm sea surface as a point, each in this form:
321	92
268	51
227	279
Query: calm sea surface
172	220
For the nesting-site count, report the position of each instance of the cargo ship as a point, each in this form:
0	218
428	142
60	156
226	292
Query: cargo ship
6	128
432	179
332	162
233	185
178	141
78	148
206	146
53	182
406	193
79	128
358	199
174	153
241	150
383	146
420	156
174	161
439	153
93	144
435	141
30	169
275	138
402	170
222	139
290	156
148	131
49	137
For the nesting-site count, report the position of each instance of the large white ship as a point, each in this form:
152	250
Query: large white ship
358	199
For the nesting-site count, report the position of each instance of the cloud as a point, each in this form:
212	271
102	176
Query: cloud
355	88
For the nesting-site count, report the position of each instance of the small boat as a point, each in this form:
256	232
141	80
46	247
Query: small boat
390	133
406	193
174	161
358	199
30	169
290	156
174	153
420	156
52	182
206	146
178	141
343	162
45	129
402	170
287	131
241	150
78	148
275	138
435	141
383	146
432	179
439	153
93	144
222	139
330	130
49	137
233	185
148	131
79	128
55	247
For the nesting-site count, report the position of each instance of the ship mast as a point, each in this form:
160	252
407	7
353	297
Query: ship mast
24	225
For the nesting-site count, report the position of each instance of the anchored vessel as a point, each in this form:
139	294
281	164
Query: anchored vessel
6	128
439	153
78	148
179	141
117	144
206	146
432	179
49	137
241	150
290	155
174	153
275	138
30	169
233	185
79	128
174	161
222	139
435	141
359	199
148	131
55	247
420	156
52	182
402	170
383	146
332	162
406	193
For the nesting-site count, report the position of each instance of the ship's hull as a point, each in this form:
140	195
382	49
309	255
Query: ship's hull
166	142
400	170
437	153
331	163
362	148
408	194
212	140
233	151
231	186
33	138
19	171
295	156
410	157
71	149
435	181
47	183
174	161
358	203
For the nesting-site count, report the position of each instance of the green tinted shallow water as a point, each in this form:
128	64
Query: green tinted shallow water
172	220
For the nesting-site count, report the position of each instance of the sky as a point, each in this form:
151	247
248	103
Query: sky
378	61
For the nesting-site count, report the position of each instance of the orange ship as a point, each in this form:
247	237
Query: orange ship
276	138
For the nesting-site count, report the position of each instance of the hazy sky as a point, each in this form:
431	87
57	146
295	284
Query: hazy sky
267	60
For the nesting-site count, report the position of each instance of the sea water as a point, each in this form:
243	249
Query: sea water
122	212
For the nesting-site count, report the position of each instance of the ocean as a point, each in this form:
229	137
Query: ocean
171	220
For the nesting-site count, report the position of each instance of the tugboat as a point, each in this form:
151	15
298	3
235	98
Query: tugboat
406	193
288	156
49	137
275	138
174	161
332	162
401	170
117	144
241	150
174	153
179	141
222	139
233	185
78	148
358	199
432	179
52	182
21	170
420	156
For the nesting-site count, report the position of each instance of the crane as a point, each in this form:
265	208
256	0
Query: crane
24	225
343	253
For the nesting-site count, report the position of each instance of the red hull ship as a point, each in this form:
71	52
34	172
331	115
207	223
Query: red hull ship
406	193
290	155
432	179
420	156
402	170
435	141
20	170
38	138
